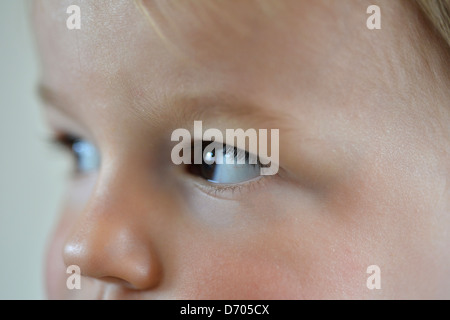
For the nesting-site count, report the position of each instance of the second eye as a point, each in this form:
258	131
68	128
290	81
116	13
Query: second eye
87	157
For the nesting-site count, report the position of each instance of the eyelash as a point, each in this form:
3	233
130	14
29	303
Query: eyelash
64	140
228	192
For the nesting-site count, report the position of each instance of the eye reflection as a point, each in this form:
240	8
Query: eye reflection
226	173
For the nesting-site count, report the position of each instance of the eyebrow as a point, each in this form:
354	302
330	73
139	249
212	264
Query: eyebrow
224	105
184	108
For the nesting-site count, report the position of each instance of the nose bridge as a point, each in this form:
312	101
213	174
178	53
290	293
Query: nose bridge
112	237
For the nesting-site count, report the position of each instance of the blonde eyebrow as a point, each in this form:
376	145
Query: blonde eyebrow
186	108
228	108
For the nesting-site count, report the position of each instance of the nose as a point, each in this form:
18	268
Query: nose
112	239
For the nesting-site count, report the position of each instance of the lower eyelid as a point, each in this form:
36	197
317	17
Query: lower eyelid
232	191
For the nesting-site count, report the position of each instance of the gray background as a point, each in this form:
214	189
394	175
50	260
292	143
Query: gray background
32	173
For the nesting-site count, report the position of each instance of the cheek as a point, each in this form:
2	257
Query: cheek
254	279
294	263
223	276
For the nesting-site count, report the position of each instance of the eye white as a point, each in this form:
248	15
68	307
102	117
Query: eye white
234	173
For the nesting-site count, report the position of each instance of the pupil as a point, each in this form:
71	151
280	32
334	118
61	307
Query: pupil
207	171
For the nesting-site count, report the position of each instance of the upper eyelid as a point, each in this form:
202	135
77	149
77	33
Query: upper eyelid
66	138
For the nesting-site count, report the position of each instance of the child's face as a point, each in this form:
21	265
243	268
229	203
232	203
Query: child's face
364	148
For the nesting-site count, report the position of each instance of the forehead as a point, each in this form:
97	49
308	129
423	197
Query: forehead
246	37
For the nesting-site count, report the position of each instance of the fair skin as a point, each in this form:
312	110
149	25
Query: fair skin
364	149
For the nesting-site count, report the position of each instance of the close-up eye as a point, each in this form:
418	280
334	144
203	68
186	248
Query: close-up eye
224	164
87	157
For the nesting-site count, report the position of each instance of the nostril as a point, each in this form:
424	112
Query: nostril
117	281
145	275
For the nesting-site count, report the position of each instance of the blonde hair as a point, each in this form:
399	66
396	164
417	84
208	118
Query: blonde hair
438	13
